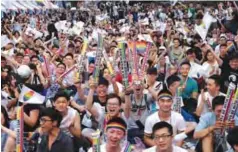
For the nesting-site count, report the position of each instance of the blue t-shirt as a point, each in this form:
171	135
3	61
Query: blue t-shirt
209	119
191	86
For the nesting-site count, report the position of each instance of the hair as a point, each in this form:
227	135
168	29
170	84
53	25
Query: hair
205	57
171	79
61	93
185	63
117	120
69	54
5	115
152	71
161	125
218	100
53	114
55	46
164	91
232	136
61	63
216	78
176	39
103	81
113	95
34	56
71	45
225	45
19	54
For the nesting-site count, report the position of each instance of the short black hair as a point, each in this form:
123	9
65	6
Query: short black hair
53	114
117	120
216	78
185	63
225	45
171	79
34	56
61	93
19	54
114	95
232	136
69	54
190	51
160	125
163	91
233	56
176	39
218	100
103	81
61	63
55	46
152	71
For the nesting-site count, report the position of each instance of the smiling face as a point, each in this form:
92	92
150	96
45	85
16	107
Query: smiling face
101	91
114	136
137	88
61	104
165	104
113	107
163	139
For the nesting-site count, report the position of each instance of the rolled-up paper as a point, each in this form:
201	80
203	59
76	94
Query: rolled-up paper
19	129
67	72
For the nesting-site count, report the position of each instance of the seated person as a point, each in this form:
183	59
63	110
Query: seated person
163	139
53	139
115	133
209	123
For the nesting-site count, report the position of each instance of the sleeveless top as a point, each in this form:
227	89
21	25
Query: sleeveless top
68	120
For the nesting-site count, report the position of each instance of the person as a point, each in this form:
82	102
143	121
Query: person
209	123
164	113
205	98
232	139
115	133
163	138
189	85
53	138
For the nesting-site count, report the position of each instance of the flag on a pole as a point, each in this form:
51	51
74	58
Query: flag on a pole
29	96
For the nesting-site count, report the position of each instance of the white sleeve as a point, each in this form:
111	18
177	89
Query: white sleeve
199	99
181	124
148	126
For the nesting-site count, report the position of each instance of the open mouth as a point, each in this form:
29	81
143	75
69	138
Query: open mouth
112	110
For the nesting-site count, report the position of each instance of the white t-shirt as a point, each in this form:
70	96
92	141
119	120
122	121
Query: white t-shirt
208	98
176	120
103	148
111	90
175	149
208	68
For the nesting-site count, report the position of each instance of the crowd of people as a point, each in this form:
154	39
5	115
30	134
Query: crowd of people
120	76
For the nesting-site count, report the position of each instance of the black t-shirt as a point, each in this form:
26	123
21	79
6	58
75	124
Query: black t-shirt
95	99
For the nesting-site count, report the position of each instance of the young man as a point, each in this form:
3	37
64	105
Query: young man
53	139
205	98
233	140
165	101
163	139
209	123
70	123
189	85
115	133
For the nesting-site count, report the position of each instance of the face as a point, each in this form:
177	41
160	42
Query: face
61	104
114	136
163	139
69	60
26	60
222	40
101	90
210	56
35	61
60	69
91	68
46	124
223	50
184	70
234	64
3	63
218	110
176	43
19	59
165	104
211	86
151	78
137	88
113	107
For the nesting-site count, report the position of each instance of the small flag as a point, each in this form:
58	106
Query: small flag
29	96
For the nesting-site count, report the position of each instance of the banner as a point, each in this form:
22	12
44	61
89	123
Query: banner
29	96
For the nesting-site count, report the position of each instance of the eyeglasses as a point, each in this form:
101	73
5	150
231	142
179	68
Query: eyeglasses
163	137
113	104
43	120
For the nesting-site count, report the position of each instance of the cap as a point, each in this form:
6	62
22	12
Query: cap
223	36
162	48
24	71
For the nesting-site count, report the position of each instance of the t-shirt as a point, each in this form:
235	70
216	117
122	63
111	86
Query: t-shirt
175	149
103	148
191	86
208	98
176	120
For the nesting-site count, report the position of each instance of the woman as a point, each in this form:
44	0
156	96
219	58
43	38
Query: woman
210	64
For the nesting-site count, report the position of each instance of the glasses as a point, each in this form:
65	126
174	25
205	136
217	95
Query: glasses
43	120
163	137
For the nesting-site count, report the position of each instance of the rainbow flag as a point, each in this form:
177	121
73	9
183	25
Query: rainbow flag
29	96
141	46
